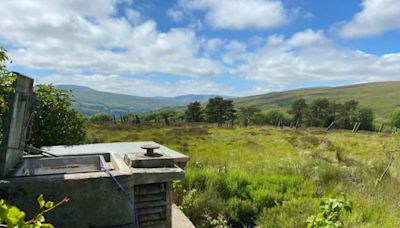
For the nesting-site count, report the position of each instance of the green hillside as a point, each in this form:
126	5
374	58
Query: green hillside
382	97
89	101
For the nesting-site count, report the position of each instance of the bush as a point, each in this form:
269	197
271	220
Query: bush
394	118
365	116
239	197
329	214
289	214
54	121
271	116
101	117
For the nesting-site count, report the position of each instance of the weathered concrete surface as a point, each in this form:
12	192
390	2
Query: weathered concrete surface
93	201
179	220
20	106
96	200
119	148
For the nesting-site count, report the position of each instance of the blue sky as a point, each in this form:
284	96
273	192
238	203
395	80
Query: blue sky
227	47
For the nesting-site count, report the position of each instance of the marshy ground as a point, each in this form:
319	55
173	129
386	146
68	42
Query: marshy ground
276	177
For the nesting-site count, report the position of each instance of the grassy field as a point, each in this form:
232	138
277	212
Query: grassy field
382	97
276	177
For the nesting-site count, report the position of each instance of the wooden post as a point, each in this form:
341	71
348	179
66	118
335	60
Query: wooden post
297	123
355	126
381	128
331	126
358	126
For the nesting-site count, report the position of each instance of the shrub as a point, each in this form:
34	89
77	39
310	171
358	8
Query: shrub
101	117
394	118
329	213
239	197
365	116
54	121
271	116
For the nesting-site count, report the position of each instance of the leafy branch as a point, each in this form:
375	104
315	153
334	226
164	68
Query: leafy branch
11	216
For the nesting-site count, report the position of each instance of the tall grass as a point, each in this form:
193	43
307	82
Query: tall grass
275	178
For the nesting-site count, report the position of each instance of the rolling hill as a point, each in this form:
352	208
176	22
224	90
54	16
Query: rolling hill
382	97
89	101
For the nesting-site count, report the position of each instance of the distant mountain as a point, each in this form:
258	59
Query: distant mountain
89	101
382	97
192	97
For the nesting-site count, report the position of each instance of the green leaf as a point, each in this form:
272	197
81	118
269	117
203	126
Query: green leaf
41	200
40	218
49	204
47	225
14	215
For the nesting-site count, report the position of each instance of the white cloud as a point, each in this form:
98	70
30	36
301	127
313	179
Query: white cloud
86	35
175	14
376	17
309	56
235	51
240	14
139	87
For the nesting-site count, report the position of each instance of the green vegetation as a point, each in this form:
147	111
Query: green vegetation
329	214
193	112
12	216
54	121
6	80
276	177
382	97
394	118
89	101
219	111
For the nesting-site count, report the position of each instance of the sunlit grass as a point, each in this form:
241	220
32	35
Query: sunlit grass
326	162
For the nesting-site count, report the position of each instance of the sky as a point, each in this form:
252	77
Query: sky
225	47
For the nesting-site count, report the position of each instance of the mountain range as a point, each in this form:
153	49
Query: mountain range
89	101
382	97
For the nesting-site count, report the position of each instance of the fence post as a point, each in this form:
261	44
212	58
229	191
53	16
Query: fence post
331	126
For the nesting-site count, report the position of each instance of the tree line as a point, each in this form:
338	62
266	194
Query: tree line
320	112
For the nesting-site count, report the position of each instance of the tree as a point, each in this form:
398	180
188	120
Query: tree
6	80
365	116
246	113
298	109
394	118
219	110
193	112
55	122
127	117
317	113
346	112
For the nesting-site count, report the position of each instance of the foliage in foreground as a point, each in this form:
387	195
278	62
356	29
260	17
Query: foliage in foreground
329	213
12	216
6	80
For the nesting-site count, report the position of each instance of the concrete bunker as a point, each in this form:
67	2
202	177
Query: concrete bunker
125	184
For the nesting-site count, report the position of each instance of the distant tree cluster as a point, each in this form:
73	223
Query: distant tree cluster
321	113
217	110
